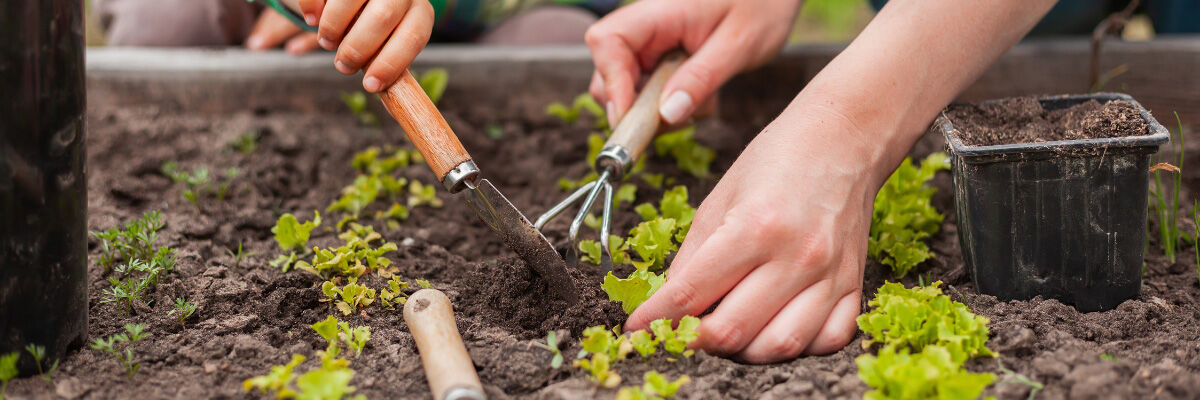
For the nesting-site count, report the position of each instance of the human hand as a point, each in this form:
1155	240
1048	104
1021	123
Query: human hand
272	30
780	242
381	36
723	37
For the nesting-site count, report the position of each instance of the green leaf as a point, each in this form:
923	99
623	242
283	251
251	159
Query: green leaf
657	385
325	384
929	374
327	329
424	284
291	234
904	216
422	195
434	82
653	241
278	380
689	155
633	290
8	366
923	316
644	343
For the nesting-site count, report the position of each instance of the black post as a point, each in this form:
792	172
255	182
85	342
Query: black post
43	195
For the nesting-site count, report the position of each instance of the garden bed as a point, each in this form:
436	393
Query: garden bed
252	316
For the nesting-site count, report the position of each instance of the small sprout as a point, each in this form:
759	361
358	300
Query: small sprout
424	284
348	298
292	237
118	346
130	289
675	340
422	195
245	143
183	310
8	370
336	332
552	346
279	380
689	155
494	131
227	182
1108	357
644	343
583	102
633	290
394	295
39	355
195	182
357	103
434	82
239	255
655	387
600	369
598	339
135	239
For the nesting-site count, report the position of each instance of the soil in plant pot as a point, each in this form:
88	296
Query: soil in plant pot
252	316
1023	120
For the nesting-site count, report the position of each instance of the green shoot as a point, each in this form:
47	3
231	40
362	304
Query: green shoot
1009	374
183	309
424	284
8	370
599	366
552	346
130	288
330	381
393	295
675	340
278	380
1108	357
292	237
632	290
904	216
583	102
357	103
494	131
227	182
245	143
39	355
929	374
133	240
194	182
1166	204
368	161
119	345
348	298
923	316
655	387
336	333
690	156
239	255
644	343
423	195
354	258
600	340
434	83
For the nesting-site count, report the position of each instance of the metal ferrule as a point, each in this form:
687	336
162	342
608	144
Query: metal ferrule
461	177
614	158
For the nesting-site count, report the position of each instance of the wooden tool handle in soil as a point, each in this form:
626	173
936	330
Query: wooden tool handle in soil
424	125
641	122
448	366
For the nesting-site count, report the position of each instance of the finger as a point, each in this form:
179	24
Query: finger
401	48
335	19
744	311
311	9
301	44
841	326
618	68
708	217
792	329
596	88
720	264
713	64
379	18
271	30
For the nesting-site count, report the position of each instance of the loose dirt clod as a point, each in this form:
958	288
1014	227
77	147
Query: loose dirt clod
1023	120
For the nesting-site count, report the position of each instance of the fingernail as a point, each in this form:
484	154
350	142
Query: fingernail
341	67
372	84
676	106
326	43
254	42
310	19
611	110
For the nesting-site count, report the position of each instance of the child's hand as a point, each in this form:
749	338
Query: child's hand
272	30
381	36
724	37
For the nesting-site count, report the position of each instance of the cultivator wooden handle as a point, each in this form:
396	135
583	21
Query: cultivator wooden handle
642	121
424	125
448	366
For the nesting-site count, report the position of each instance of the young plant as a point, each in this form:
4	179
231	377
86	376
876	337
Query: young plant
904	216
119	346
183	309
422	195
245	143
337	333
1166	204
632	290
39	355
931	373
348	298
675	340
552	346
357	103
600	340
194	181
8	370
434	82
583	102
292	237
644	343
239	255
689	155
424	284
227	183
655	387
393	295
600	368
134	239
922	316
354	258
279	380
330	381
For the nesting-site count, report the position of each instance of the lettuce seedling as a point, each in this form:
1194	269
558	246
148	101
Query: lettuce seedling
357	103
599	366
583	102
279	380
922	316
674	205
633	290
552	346
350	297
369	163
931	373
598	339
690	156
434	82
618	248
183	310
292	237
336	333
393	295
675	340
657	386
424	284
653	241
423	195
39	355
8	370
904	216
644	343
119	346
245	143
358	195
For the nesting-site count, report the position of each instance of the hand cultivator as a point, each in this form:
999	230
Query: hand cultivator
628	141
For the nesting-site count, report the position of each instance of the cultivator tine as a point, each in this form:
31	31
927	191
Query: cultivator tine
606	263
562	205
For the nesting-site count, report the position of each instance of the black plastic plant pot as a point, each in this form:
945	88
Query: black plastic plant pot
43	197
1059	219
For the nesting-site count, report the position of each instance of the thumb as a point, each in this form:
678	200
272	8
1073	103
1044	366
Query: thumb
699	77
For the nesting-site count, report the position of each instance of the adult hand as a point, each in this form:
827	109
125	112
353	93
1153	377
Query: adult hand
272	30
723	37
780	243
381	36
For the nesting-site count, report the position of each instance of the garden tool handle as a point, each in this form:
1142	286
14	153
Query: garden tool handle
448	366
642	121
424	125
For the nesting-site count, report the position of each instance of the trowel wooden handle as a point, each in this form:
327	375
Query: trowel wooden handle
448	367
424	125
641	122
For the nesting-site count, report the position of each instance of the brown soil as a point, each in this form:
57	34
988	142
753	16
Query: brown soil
1023	120
252	316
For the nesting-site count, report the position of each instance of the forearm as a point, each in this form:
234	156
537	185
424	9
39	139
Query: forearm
909	63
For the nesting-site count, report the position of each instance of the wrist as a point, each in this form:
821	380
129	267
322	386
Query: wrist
862	131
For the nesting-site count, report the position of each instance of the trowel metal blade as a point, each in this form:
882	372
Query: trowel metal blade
520	236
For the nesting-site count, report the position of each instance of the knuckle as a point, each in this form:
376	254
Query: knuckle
701	75
685	297
832	340
725	338
383	69
784	346
351	56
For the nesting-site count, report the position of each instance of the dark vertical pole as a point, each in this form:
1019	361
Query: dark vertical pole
43	196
